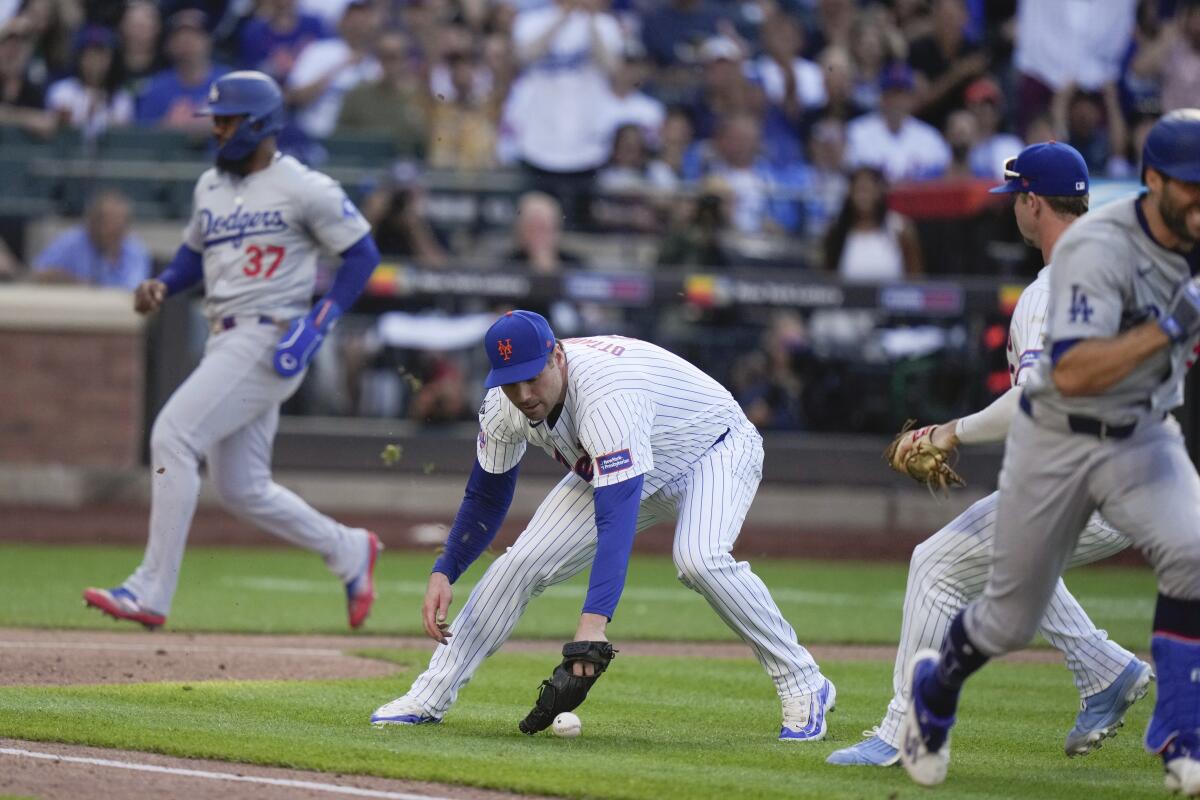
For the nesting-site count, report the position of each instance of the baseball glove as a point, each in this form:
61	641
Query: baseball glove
914	454
564	691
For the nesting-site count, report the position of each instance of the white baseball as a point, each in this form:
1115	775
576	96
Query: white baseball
567	724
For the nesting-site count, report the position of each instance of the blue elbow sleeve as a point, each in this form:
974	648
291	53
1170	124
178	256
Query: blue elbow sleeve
185	270
358	262
616	523
484	507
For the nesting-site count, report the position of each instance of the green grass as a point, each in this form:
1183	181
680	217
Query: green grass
288	591
653	727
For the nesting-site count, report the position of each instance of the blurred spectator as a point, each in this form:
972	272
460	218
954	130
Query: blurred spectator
946	61
631	169
90	100
100	252
1173	58
567	51
330	11
396	211
764	380
465	114
827	183
1041	129
838	82
725	90
172	96
676	140
873	46
833	26
764	195
53	25
272	39
992	146
538	233
695	237
139	54
628	104
439	383
792	85
329	68
22	99
962	135
393	104
1067	42
891	139
869	242
674	31
1091	123
1141	77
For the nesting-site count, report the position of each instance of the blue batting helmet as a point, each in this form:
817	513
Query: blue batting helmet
254	95
1173	145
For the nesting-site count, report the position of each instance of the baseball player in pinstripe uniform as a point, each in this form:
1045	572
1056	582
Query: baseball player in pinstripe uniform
1094	432
644	436
949	569
259	220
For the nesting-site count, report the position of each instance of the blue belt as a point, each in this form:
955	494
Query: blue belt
1089	425
231	322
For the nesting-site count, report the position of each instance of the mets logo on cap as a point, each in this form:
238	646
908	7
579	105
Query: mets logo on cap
504	348
521	342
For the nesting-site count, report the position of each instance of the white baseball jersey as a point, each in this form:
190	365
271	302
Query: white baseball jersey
632	408
260	236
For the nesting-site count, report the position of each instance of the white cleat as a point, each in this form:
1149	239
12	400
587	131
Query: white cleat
924	738
804	715
1183	775
402	711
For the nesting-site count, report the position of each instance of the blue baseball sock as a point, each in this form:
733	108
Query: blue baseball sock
1175	646
960	658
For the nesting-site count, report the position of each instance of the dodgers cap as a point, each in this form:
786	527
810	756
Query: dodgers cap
1049	169
517	346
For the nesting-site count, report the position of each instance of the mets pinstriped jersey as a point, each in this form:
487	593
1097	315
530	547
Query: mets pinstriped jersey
631	408
1110	276
1027	329
260	236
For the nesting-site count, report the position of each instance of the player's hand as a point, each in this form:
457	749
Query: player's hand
302	338
436	608
149	296
591	629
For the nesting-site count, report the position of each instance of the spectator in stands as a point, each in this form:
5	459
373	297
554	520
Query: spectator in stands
992	146
725	90
1062	43
697	230
539	234
1091	123
891	139
22	98
676	140
873	46
440	388
962	134
170	98
833	26
1172	58
827	183
272	39
674	32
630	169
396	211
791	84
91	99
465	111
100	252
869	242
628	104
53	25
764	380
139	54
329	68
567	51
837	70
946	61
393	105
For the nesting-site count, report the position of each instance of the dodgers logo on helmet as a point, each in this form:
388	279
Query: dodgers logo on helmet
254	96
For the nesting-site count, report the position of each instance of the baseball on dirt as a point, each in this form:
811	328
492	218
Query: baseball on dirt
567	724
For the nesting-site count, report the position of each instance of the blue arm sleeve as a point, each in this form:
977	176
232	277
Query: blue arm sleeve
358	262
1059	349
483	509
616	523
185	270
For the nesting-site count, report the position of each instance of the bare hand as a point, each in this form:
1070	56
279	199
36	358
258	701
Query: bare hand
591	629
149	296
438	596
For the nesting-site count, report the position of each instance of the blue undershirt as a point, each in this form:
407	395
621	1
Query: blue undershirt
484	506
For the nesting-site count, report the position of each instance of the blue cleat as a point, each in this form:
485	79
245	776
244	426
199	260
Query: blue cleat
804	715
924	737
1103	713
870	752
403	711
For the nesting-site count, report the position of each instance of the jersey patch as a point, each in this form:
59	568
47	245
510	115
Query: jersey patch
614	462
482	440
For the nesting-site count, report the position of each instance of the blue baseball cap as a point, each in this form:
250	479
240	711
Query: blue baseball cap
1049	169
518	345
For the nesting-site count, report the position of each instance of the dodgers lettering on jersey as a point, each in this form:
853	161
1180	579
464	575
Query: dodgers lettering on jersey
1027	329
1110	276
631	408
260	236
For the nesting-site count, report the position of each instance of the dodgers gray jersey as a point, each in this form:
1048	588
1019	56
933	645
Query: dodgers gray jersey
260	236
632	408
1110	276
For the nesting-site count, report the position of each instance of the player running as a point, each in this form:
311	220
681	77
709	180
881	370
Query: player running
1095	432
645	436
258	222
950	568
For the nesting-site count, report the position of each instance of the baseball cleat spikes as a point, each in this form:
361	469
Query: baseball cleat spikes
360	592
120	603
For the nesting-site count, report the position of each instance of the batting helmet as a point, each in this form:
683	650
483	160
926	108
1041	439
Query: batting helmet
254	95
1173	145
